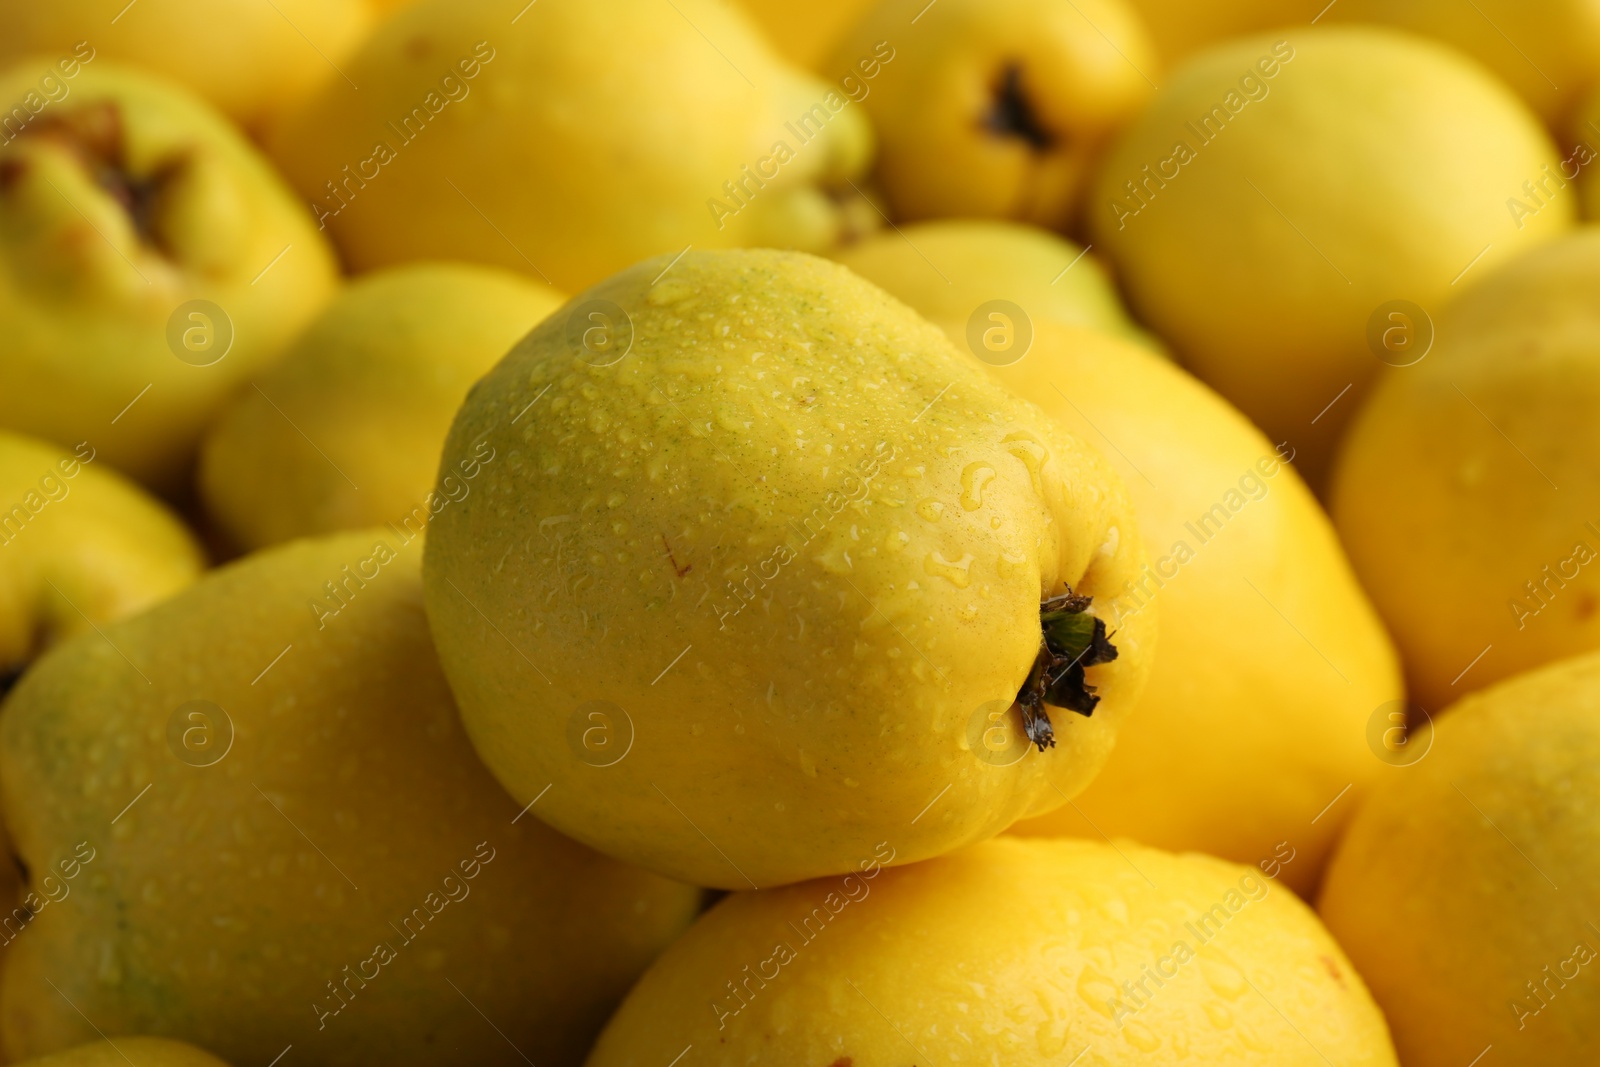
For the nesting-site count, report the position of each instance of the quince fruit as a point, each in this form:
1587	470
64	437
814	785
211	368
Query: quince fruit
765	561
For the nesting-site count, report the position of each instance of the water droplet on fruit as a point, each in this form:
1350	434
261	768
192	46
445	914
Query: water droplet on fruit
1031	451
1221	974
974	479
1098	992
957	572
930	509
1140	1036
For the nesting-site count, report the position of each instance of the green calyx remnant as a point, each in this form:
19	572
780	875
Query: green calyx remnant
1070	640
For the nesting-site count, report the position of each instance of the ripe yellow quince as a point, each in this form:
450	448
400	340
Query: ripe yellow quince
1549	52
251	819
764	563
568	141
951	271
1024	953
151	262
79	546
805	33
1246	732
996	108
1250	741
121	1051
1476	462
345	432
248	59
1468	887
1180	27
1284	191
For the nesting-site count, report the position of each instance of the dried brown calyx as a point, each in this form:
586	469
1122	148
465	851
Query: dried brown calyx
1011	113
95	134
1070	641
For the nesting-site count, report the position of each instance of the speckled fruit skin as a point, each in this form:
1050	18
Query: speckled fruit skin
88	292
216	903
1466	491
1370	166
120	1051
374	382
798	543
79	546
1023	953
1468	887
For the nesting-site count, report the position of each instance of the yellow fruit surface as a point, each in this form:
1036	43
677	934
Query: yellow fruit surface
1272	660
1586	154
249	59
1015	952
948	270
1283	189
140	1051
1250	741
79	546
996	108
751	575
1468	887
572	143
805	32
1549	51
1467	493
1181	27
151	262
345	432
251	819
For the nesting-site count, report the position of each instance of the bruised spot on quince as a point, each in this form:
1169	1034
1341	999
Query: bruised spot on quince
1011	113
1070	640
